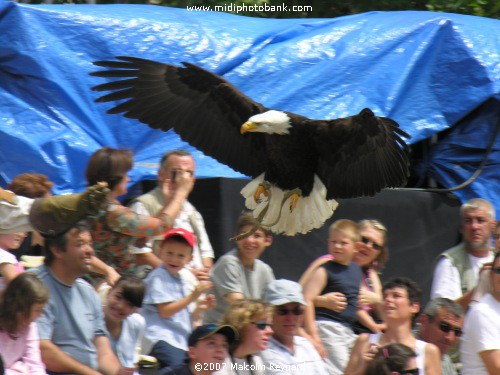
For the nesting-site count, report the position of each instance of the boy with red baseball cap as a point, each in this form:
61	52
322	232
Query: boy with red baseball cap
165	306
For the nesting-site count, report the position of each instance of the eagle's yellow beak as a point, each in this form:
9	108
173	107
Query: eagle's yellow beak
248	127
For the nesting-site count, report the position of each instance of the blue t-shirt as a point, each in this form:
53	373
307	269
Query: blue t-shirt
130	337
345	280
163	287
72	318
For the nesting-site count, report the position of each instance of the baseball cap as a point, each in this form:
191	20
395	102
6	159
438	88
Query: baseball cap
180	232
281	292
207	330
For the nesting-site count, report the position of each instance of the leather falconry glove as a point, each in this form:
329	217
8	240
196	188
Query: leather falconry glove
53	216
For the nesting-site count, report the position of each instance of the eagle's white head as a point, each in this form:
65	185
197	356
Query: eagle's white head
270	122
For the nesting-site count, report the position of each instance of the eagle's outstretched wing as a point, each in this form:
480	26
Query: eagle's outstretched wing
360	155
203	108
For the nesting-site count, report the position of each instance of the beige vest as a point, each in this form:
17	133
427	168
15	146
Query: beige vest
458	256
153	202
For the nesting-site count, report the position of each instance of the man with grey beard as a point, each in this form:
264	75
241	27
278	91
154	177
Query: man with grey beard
457	269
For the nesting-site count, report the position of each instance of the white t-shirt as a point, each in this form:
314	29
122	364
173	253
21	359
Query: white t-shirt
6	257
447	281
279	360
481	333
131	336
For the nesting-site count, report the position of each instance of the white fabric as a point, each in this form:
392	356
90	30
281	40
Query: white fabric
481	333
130	337
15	218
202	249
419	350
446	281
338	341
6	257
279	360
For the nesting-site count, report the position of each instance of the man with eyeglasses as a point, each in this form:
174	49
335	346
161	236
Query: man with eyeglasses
288	353
457	269
480	346
441	325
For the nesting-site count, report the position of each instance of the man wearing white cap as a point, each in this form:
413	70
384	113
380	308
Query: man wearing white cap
288	353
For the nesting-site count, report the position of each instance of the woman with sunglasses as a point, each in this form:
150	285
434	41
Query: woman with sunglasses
401	305
371	257
252	320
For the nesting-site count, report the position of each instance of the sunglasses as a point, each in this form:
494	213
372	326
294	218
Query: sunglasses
496	270
261	325
284	311
413	371
376	246
445	327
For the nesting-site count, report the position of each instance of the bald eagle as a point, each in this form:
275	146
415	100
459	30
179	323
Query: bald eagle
298	165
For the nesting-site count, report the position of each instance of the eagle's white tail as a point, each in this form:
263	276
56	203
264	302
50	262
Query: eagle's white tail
310	212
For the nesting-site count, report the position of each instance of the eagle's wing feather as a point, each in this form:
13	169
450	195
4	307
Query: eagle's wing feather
360	155
202	107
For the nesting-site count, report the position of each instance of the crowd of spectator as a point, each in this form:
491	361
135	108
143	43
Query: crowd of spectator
119	283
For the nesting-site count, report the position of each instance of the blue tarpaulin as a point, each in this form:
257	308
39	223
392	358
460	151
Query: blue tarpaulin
428	71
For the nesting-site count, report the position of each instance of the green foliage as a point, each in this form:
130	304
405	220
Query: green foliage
483	8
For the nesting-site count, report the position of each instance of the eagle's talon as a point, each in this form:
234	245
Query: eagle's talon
294	199
261	190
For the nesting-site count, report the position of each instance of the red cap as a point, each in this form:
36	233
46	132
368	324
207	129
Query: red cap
180	232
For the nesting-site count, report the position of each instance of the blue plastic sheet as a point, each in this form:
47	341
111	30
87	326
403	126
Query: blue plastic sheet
425	70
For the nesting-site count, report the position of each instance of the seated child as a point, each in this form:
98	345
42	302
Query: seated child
21	305
166	303
240	274
332	332
125	326
208	348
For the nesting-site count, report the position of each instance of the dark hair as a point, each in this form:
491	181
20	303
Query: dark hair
178	239
246	218
167	155
61	241
411	287
497	255
390	358
31	185
414	291
18	298
108	165
133	289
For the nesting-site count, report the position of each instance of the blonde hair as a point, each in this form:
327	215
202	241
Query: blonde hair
383	256
242	313
347	227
